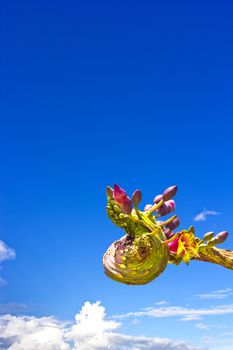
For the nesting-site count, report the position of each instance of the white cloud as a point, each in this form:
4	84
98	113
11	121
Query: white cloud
186	314
6	253
216	294
202	326
31	333
203	215
162	302
92	330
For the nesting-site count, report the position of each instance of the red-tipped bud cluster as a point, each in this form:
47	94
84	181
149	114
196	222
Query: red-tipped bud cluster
122	199
169	193
137	197
167	208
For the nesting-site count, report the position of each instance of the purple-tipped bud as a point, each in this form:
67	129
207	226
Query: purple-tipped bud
147	207
173	224
169	193
127	206
137	197
166	208
109	191
221	236
158	198
171	204
218	239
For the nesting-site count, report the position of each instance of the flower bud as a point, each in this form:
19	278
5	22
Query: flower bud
218	239
168	233
166	208
159	222
208	236
137	197
147	207
191	230
119	194
212	242
169	193
121	198
158	198
109	191
127	206
173	224
171	204
221	236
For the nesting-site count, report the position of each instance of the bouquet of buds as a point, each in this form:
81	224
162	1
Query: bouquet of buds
150	242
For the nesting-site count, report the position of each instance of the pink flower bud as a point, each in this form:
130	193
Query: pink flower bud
121	198
158	198
166	208
137	197
119	194
169	193
221	236
173	224
127	206
147	207
171	204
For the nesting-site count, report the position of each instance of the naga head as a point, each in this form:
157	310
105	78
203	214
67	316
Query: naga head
149	243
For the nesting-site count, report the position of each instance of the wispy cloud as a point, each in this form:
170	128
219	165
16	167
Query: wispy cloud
6	253
202	326
13	308
185	314
162	302
203	215
92	330
216	294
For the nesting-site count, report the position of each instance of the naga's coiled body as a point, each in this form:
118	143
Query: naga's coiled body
139	256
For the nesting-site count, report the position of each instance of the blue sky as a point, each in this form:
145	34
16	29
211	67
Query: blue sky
138	94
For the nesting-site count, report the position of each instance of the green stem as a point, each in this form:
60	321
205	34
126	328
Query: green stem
218	256
154	208
168	220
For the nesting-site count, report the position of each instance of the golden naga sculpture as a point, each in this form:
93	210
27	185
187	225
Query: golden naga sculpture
149	244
